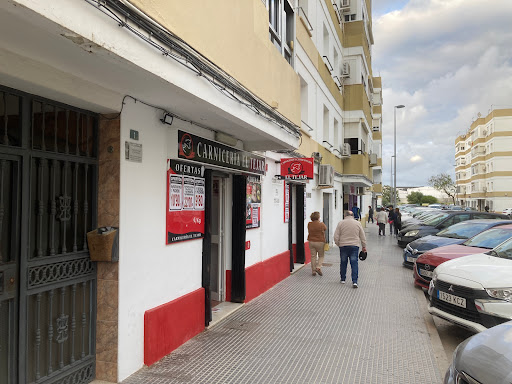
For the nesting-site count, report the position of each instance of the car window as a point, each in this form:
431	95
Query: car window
484	216
463	230
436	219
490	238
504	250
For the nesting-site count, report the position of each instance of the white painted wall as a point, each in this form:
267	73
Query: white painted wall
150	273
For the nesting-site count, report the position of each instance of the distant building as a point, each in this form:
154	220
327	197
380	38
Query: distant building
483	162
441	197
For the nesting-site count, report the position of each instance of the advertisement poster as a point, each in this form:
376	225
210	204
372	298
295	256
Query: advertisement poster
253	209
297	168
185	202
286	202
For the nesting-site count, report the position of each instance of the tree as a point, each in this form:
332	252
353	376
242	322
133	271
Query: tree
415	198
387	195
444	183
427	199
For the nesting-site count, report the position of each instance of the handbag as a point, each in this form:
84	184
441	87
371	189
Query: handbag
363	255
326	246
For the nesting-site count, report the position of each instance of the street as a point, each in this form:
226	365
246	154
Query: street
312	329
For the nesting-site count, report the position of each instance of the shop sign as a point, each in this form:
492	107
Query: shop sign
196	148
297	168
253	207
185	201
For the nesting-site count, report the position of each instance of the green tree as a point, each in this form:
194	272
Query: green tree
387	195
415	198
444	183
427	199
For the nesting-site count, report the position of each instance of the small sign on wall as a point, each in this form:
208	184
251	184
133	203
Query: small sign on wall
133	152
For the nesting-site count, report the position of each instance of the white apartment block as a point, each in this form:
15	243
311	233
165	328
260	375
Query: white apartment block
483	162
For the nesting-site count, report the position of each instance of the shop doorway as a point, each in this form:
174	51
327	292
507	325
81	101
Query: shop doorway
326	215
218	225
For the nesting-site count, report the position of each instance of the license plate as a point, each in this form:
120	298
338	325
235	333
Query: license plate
410	259
455	300
425	273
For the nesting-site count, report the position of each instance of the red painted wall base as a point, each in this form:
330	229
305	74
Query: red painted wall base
262	276
169	325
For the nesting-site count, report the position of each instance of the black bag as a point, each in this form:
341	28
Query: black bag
363	255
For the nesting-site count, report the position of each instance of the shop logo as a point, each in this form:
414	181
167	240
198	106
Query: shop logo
187	147
295	168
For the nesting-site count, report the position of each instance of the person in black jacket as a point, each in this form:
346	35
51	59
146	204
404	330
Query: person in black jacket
398	221
370	213
391	219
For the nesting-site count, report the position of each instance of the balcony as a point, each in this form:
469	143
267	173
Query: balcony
357	165
377	188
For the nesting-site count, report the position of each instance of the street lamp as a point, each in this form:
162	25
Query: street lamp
394	145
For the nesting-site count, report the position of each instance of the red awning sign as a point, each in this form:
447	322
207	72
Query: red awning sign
297	168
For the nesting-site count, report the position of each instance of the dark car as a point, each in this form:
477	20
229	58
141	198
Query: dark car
439	222
483	358
455	234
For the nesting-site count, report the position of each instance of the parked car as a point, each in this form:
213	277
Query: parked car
483	358
441	221
455	234
507	211
426	263
474	292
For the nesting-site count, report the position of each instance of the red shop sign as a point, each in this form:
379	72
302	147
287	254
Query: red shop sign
297	168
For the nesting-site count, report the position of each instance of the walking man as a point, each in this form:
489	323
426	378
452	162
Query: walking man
348	236
382	219
370	213
356	212
391	219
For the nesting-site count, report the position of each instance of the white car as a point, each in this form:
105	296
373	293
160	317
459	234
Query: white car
507	211
474	292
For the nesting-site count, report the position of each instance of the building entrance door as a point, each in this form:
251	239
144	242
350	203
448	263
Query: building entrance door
48	195
217	268
326	214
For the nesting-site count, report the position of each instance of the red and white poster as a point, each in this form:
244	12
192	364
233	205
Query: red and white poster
185	202
253	206
286	202
297	168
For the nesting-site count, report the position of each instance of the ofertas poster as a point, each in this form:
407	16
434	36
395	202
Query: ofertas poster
185	201
253	208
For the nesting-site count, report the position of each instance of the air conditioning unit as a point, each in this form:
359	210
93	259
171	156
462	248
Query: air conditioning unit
373	159
345	150
345	70
344	3
325	175
484	132
360	191
484	189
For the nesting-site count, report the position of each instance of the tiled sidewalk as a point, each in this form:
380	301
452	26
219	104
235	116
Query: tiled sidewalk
312	329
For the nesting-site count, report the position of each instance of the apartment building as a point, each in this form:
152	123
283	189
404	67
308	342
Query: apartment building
341	102
483	162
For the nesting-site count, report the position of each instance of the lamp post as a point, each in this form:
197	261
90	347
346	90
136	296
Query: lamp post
394	146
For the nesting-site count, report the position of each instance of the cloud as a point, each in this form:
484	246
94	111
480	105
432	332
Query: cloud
446	61
416	158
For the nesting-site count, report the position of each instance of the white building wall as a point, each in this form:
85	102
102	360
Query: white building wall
150	273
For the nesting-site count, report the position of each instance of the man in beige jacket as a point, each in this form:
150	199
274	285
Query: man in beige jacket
348	236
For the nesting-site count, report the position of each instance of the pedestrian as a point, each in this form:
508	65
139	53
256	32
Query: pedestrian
486	208
348	236
356	211
382	219
316	238
391	219
370	213
398	221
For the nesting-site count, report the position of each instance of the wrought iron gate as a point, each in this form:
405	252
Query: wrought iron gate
48	202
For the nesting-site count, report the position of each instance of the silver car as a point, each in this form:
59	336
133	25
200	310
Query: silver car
485	358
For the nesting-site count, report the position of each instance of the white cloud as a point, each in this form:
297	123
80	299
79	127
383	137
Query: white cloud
416	158
446	60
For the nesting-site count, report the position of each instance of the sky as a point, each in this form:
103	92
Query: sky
446	61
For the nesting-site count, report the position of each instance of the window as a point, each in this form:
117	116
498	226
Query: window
281	26
354	145
351	17
326	125
304	112
336	134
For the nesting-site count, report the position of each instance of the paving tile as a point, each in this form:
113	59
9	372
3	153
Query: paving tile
313	329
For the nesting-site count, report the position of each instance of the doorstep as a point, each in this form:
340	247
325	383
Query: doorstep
223	310
297	267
